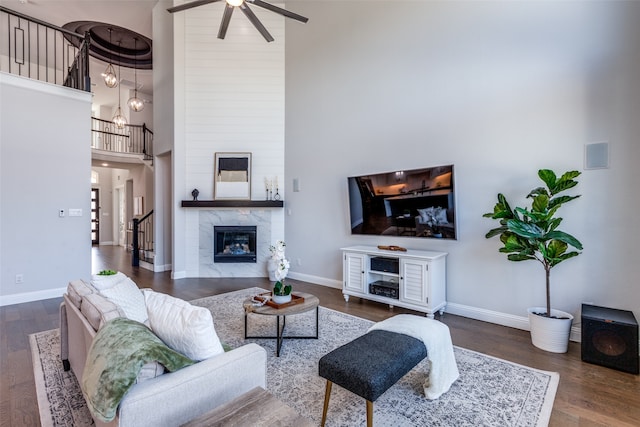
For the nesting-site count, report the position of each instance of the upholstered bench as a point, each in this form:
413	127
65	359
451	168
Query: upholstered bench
369	365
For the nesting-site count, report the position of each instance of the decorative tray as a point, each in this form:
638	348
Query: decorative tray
392	248
295	299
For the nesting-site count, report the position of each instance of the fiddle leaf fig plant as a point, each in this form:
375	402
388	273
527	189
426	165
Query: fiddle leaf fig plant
532	234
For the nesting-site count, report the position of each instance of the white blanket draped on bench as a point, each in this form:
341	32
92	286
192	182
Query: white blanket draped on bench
437	339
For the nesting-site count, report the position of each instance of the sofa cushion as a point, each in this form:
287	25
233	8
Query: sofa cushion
126	295
98	310
101	282
77	289
186	328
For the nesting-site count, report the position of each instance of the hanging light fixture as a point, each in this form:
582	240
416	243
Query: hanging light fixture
119	120
135	103
109	75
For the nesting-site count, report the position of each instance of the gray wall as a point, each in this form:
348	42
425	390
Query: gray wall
500	90
45	167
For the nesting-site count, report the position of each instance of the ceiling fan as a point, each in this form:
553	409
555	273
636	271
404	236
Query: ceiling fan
244	7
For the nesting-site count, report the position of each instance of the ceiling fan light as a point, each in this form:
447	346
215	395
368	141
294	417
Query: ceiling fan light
110	78
235	2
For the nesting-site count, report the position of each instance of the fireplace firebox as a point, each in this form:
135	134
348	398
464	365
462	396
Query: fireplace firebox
234	243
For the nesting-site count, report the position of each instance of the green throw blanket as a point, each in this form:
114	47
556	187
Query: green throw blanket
118	352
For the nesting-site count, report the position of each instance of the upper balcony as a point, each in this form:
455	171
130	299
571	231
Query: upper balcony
126	144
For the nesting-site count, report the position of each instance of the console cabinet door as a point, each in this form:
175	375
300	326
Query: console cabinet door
354	272
414	281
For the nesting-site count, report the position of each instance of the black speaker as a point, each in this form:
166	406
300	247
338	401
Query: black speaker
610	338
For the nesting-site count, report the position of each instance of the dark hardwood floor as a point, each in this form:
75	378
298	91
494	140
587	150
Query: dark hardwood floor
588	395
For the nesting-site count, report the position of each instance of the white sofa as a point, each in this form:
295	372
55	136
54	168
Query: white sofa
170	399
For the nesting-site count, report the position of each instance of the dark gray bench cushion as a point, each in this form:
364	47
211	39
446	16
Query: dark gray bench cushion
370	364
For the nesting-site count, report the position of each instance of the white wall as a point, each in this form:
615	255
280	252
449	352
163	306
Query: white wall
43	130
229	97
500	90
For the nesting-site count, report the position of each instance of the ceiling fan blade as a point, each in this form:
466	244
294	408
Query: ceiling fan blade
226	17
279	10
190	5
256	22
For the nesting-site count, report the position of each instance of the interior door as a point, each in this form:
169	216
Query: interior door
120	198
95	216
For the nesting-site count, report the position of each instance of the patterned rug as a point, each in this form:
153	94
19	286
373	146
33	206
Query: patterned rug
489	392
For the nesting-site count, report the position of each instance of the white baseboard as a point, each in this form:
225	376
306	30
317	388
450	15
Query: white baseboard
31	296
504	319
178	274
510	320
316	280
108	243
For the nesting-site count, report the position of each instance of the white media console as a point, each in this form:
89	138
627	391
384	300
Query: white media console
413	279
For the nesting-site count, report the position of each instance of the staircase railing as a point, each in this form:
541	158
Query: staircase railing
142	244
41	51
130	139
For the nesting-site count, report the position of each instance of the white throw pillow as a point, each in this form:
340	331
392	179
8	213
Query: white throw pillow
105	282
129	298
186	328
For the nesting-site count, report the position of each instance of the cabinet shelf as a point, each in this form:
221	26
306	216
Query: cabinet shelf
232	203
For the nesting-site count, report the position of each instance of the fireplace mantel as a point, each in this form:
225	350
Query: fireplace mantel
232	203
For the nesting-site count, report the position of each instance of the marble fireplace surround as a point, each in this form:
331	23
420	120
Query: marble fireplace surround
261	218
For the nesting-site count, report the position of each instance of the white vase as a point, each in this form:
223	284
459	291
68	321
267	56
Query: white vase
281	299
272	266
550	333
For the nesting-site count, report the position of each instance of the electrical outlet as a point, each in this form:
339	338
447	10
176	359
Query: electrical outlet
298	261
61	213
19	279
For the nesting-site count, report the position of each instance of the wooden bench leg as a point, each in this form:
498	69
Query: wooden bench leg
369	413
327	395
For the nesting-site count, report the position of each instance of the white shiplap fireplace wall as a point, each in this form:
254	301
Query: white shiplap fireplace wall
233	102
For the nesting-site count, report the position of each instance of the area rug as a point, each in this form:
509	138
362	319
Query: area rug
489	392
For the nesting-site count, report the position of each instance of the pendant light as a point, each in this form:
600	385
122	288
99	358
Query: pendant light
119	120
135	103
109	75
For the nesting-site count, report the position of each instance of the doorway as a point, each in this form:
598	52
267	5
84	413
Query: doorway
120	216
95	216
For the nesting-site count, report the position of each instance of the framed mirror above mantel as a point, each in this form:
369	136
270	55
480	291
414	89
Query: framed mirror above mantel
232	203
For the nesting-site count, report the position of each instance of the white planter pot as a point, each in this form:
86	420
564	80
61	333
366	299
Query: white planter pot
281	299
549	333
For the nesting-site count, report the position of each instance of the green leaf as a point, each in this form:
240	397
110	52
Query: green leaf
557	201
565	182
538	191
495	232
566	238
519	257
555	249
548	176
524	229
554	223
540	203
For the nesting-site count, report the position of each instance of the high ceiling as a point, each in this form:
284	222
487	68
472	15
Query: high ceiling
134	15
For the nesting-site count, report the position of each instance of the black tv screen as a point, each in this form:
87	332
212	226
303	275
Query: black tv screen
407	203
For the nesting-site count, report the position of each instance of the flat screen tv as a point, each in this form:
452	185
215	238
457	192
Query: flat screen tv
407	203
